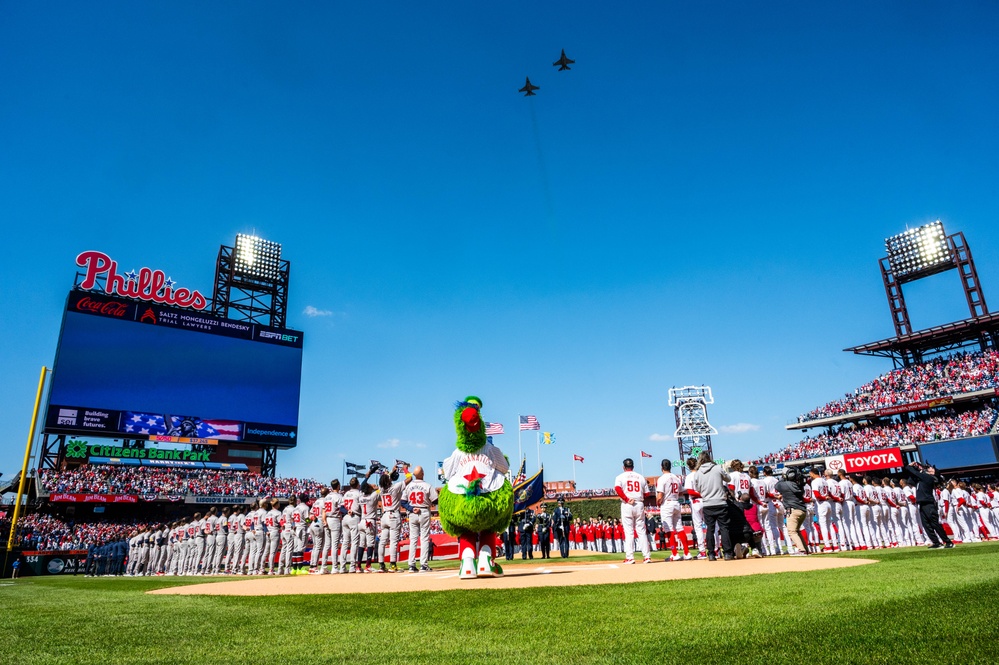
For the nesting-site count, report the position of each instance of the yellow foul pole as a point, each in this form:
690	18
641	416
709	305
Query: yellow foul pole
24	467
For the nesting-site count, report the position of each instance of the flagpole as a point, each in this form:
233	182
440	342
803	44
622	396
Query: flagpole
538	434
641	460
574	471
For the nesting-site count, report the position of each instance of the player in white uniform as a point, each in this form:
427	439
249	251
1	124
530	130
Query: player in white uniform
862	516
391	489
771	526
820	495
317	532
632	488
668	495
421	496
847	511
696	509
909	495
211	519
300	521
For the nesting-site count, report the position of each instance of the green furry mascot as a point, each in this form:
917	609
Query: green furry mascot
477	500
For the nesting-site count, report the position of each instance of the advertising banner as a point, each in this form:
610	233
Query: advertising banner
874	460
914	406
69	562
66	497
219	500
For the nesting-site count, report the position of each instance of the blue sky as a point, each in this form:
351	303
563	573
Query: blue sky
703	198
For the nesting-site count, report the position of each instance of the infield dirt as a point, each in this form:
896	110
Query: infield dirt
553	573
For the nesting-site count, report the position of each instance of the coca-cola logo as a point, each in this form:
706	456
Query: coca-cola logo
105	307
147	284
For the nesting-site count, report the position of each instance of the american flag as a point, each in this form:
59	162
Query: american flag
494	428
577	458
154	424
645	454
522	474
529	422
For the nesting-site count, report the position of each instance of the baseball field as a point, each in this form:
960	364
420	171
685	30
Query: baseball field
911	606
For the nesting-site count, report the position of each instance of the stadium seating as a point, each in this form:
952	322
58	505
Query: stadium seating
940	377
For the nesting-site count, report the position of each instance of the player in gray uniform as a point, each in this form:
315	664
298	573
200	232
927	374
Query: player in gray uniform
366	525
287	537
272	521
391	489
300	520
317	532
332	516
420	495
351	537
237	533
221	540
211	519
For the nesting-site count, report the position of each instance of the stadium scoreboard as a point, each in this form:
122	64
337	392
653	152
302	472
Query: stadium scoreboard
142	370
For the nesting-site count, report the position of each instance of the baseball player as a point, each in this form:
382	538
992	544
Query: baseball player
350	535
421	496
391	489
272	524
668	495
300	520
257	538
287	524
771	526
820	496
317	532
237	537
366	525
332	516
835	492
631	488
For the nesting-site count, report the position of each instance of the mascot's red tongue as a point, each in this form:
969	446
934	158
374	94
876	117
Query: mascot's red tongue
470	416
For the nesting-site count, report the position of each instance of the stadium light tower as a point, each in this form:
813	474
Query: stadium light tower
693	431
251	282
922	252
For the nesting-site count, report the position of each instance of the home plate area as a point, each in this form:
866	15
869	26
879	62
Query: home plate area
554	573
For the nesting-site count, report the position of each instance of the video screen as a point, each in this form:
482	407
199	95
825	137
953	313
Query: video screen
146	371
959	453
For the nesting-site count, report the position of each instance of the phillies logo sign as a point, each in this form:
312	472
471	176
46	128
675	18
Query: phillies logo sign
875	460
147	284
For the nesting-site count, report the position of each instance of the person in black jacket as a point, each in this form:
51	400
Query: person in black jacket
793	495
925	481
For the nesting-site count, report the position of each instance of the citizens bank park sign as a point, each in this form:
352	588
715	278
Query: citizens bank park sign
146	284
874	460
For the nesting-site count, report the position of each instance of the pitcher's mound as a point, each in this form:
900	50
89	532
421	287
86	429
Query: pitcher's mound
554	573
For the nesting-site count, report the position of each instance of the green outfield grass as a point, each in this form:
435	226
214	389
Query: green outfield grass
914	606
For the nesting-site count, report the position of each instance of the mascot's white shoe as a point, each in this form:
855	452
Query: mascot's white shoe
485	568
467	571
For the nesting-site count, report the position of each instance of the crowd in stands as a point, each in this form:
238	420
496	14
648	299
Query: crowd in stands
48	533
861	439
147	481
940	377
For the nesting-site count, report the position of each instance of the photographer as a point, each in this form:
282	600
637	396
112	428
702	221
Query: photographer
793	495
926	479
711	483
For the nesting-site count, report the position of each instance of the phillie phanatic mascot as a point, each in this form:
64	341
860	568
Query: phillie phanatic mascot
477	501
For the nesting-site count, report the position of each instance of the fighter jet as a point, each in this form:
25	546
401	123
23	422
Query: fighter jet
529	89
563	62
